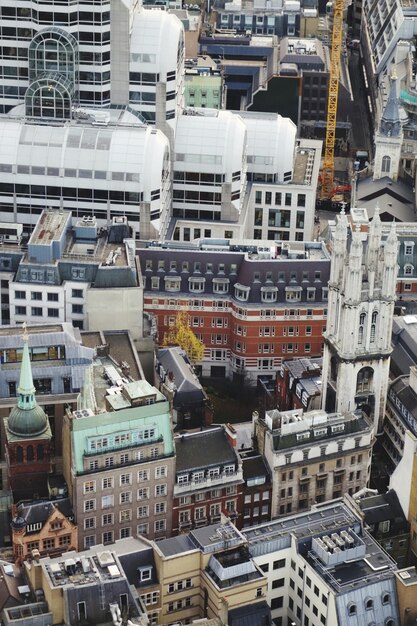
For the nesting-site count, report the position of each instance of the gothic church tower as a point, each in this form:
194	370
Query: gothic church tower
28	438
361	306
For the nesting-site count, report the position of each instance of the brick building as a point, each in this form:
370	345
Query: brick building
251	304
208	479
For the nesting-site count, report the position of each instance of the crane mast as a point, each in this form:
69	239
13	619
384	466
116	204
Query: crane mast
335	60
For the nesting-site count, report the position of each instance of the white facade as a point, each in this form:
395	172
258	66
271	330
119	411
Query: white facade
108	53
362	291
119	169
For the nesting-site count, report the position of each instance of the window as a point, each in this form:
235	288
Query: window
108	537
386	164
89	505
125	479
89	522
160	525
90	486
352	609
53	312
160	490
143	511
160	507
107	519
161	471
369	604
107	501
53	297
125	515
125	496
386	598
143	475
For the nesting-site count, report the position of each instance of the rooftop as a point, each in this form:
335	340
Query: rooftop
202	449
50	227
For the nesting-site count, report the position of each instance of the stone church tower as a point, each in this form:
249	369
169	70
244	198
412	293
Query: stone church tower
389	137
28	439
359	324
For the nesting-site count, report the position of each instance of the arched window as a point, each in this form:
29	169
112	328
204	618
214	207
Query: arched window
29	453
362	318
369	604
408	269
39	452
386	164
53	50
364	380
389	622
352	610
19	454
386	598
50	96
360	335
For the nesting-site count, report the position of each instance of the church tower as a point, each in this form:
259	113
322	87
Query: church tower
389	137
28	438
357	345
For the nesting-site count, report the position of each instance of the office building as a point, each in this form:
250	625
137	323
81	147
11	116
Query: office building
118	457
313	456
251	303
112	54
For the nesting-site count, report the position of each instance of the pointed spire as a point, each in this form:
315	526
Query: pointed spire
26	388
390	125
27	418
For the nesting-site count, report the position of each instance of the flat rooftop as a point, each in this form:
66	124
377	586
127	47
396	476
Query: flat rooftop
50	227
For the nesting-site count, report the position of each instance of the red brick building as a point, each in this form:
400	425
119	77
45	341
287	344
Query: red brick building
208	481
252	306
299	384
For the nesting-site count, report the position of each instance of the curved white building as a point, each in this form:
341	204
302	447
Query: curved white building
156	65
270	146
209	165
94	166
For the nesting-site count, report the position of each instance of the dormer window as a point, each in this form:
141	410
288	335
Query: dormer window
196	284
408	269
220	285
408	248
172	283
269	294
241	292
144	573
293	294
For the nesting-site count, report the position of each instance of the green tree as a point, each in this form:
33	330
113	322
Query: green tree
181	334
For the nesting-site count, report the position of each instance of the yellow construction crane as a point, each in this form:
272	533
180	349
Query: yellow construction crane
327	180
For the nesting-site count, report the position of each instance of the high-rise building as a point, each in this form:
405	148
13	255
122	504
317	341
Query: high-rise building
56	59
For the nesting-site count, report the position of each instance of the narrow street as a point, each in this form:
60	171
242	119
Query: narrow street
359	115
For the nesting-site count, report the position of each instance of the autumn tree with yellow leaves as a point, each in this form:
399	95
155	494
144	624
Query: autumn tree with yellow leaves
181	334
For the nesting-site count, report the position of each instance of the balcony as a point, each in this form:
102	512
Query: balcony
208	482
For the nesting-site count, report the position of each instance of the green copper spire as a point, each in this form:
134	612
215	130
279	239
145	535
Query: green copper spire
26	388
27	419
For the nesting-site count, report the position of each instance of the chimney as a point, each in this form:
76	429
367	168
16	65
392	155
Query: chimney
231	434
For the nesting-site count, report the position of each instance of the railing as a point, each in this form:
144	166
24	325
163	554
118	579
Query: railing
207	482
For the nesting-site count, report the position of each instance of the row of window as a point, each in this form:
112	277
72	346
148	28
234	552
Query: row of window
266	197
88	194
108	537
90	486
125	497
51	297
37	311
125	515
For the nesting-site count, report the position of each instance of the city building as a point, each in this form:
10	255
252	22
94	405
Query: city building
115	54
118	457
43	528
257	489
208	572
323	567
389	138
190	405
261	18
81	586
400	445
116	169
208	479
72	271
252	304
299	384
204	84
313	456
386	522
362	294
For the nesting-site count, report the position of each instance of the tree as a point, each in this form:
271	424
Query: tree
181	334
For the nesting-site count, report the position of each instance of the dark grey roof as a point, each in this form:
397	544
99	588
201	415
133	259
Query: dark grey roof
176	545
189	390
134	560
254	467
384	507
203	449
258	614
39	512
